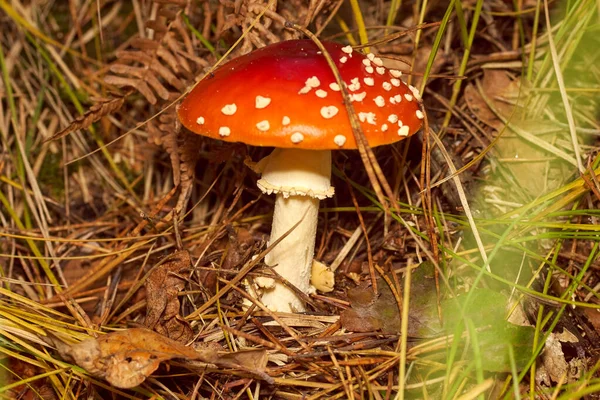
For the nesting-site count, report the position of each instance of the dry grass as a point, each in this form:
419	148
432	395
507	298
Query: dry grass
495	227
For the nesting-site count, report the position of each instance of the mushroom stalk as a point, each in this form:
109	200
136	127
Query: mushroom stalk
299	178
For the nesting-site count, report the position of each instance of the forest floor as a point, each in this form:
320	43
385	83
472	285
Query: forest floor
125	240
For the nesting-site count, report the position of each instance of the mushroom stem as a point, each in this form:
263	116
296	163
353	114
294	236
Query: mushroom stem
292	257
299	178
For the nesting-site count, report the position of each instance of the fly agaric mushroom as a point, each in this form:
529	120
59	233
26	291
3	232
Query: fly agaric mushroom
285	96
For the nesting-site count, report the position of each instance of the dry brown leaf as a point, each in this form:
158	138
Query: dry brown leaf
554	366
162	301
501	90
593	317
126	358
480	109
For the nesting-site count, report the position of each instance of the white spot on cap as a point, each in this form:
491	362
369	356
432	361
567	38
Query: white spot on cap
366	62
329	111
321	93
377	61
224	131
420	114
408	97
396	99
313	82
358	96
371	56
387	86
340	140
415	92
343	59
379	101
229	109
369	81
367	117
334	86
380	70
348	50
297	137
369	70
263	126
393	118
395	82
285	120
354	85
262	102
403	131
395	73
200	121
384	127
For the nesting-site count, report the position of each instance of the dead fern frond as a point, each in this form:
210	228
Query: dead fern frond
163	64
97	111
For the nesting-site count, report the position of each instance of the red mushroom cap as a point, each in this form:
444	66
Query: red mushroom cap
285	95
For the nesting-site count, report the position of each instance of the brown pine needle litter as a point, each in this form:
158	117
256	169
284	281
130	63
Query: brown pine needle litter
465	257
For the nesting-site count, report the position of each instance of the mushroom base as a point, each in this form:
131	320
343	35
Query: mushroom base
292	257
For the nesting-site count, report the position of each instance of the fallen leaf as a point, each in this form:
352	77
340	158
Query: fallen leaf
126	358
370	313
501	90
479	108
484	307
162	302
521	153
593	317
486	311
423	318
494	343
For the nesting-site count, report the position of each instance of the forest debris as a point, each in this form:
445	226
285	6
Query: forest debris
20	371
126	358
251	359
322	278
593	317
162	303
554	367
370	312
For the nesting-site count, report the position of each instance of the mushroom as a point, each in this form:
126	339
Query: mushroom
285	96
